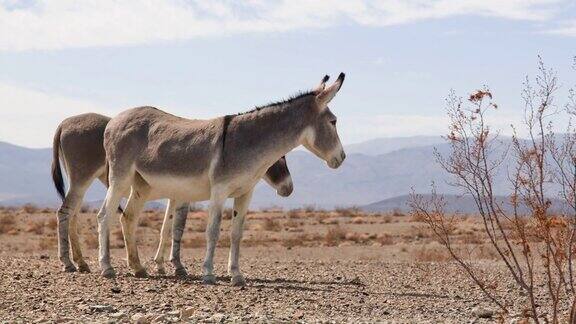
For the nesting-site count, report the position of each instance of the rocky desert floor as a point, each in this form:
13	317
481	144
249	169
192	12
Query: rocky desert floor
301	266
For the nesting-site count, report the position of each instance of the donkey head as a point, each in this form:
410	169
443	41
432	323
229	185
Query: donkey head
321	137
278	177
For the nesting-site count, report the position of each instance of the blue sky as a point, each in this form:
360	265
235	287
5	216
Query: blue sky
202	59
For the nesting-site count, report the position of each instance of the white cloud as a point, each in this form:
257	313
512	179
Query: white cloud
566	29
59	24
29	117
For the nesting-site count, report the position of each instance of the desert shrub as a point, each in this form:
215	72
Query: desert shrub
334	235
52	223
348	211
7	223
29	209
385	239
293	213
36	227
397	212
269	224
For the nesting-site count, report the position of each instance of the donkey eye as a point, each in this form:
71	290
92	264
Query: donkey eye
333	122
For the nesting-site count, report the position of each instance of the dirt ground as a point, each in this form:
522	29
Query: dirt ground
307	266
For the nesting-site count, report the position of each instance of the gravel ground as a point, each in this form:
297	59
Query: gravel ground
310	267
341	284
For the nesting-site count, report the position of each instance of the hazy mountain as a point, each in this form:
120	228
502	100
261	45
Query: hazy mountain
385	145
364	178
463	204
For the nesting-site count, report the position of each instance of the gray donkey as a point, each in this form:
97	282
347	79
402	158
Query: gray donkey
78	144
159	155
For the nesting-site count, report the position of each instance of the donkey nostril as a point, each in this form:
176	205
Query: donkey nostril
343	155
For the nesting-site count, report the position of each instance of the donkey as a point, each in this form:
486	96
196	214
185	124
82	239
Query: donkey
78	144
159	155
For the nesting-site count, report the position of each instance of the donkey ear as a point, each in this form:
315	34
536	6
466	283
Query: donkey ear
320	87
326	95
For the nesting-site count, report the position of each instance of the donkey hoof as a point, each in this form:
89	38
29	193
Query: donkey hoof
69	268
209	279
84	268
141	273
108	273
181	272
238	281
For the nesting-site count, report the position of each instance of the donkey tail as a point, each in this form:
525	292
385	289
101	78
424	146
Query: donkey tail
56	170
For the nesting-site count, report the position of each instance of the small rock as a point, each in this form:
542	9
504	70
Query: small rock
140	318
118	315
102	308
187	313
116	290
483	312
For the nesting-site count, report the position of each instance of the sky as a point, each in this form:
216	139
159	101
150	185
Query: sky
203	59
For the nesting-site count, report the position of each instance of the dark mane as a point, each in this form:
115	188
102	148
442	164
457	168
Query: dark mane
280	102
271	105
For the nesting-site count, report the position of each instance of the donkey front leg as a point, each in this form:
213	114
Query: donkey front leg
212	234
240	209
129	221
177	232
165	236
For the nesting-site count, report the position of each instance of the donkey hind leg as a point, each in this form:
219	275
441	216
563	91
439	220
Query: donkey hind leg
240	209
75	243
212	233
177	231
165	236
129	221
69	207
109	207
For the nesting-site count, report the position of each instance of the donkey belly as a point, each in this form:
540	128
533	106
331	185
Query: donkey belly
178	187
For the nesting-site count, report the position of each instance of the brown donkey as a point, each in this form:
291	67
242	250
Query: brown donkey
78	145
159	155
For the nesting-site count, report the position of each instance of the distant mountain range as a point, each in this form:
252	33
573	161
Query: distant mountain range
374	171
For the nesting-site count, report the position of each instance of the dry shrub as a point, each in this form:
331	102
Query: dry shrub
293	213
52	223
85	208
397	212
417	218
258	239
291	223
36	227
348	211
309	208
471	238
386	219
47	210
298	240
7	224
358	220
29	209
334	235
269	224
385	239
431	253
